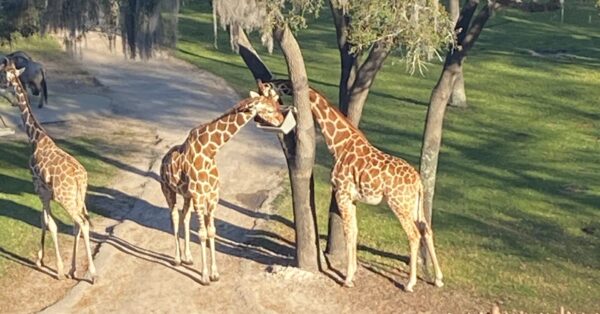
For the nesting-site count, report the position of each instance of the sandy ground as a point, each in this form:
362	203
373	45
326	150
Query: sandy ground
142	109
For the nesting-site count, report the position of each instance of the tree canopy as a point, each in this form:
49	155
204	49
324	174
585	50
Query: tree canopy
417	29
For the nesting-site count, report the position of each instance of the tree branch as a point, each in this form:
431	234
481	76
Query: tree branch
253	61
476	27
364	79
347	59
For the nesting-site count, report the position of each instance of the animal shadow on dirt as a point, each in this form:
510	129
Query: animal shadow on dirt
258	245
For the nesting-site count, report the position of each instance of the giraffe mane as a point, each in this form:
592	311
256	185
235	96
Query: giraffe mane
272	86
340	114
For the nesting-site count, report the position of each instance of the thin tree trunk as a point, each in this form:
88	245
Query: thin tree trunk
432	136
303	157
347	60
440	95
458	98
336	242
365	77
355	83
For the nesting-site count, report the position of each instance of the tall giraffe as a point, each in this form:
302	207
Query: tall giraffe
190	170
363	173
56	176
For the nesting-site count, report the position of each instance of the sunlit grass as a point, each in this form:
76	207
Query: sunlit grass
519	173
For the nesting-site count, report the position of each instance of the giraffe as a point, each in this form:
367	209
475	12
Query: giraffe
190	170
363	173
56	176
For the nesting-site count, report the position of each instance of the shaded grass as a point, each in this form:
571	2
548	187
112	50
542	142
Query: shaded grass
519	173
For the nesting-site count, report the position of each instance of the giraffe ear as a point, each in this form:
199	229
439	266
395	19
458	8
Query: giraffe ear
253	94
20	71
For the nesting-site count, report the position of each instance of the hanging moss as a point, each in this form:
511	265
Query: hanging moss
145	25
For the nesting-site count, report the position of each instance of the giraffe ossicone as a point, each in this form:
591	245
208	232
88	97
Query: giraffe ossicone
190	170
363	173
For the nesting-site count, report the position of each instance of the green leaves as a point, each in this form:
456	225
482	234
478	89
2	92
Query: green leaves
417	29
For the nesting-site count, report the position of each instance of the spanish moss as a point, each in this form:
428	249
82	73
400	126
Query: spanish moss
144	25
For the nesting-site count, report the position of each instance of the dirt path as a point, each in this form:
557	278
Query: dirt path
158	102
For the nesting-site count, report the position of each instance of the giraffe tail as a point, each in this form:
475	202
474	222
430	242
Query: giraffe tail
86	215
421	222
80	197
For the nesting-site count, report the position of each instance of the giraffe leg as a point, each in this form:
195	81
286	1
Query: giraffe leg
77	234
428	235
348	214
212	231
60	274
414	240
44	222
175	224
199	207
171	199
85	229
187	213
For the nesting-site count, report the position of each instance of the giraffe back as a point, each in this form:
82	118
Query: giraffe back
59	174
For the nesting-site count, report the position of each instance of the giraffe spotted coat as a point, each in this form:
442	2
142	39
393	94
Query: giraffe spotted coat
363	173
190	170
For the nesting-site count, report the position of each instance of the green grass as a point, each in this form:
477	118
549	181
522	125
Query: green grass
37	46
519	173
20	207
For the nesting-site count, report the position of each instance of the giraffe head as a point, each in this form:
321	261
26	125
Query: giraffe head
266	106
8	75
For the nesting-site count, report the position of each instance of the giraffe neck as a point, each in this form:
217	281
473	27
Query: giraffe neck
34	129
212	136
335	127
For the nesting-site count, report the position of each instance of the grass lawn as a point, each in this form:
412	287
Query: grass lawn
519	173
20	207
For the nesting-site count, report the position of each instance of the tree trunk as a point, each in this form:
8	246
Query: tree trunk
365	76
240	43
432	136
355	83
347	60
336	242
301	159
458	98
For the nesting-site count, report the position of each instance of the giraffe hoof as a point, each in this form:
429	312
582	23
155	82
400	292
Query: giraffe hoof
94	279
409	288
61	276
39	264
205	281
348	284
214	277
187	262
71	274
177	262
439	283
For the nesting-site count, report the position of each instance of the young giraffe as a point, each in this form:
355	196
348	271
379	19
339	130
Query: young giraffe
190	170
363	173
56	175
